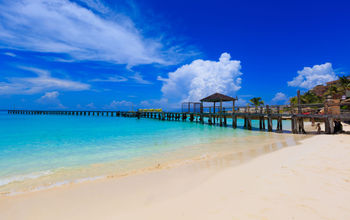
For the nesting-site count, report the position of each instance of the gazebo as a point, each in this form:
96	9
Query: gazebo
218	98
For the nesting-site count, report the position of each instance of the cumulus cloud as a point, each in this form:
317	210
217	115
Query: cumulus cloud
51	98
280	96
63	26
42	82
310	77
201	78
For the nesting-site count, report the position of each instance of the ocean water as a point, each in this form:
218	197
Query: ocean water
38	151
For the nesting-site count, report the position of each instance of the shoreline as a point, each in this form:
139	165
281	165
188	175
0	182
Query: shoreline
306	181
266	143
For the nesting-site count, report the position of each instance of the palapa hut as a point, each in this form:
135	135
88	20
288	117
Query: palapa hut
218	98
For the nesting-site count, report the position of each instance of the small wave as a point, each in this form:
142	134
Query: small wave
54	185
20	178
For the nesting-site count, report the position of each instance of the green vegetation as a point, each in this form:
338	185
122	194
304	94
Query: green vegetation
257	101
344	82
307	98
332	90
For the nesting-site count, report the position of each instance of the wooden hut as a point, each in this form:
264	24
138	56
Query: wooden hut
218	98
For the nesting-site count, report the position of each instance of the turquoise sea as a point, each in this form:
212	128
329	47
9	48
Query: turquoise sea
47	150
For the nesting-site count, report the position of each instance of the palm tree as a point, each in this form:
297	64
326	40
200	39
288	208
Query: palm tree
307	98
257	101
310	97
344	82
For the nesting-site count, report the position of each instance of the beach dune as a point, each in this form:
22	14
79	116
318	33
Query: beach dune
307	181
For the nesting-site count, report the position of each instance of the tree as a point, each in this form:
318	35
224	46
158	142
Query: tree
307	98
257	101
310	97
344	82
332	90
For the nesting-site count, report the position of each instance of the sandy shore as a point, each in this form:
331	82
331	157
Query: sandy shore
307	181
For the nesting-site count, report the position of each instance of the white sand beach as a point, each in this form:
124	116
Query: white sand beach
307	181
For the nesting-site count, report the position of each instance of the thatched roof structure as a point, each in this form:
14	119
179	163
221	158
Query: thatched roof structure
217	97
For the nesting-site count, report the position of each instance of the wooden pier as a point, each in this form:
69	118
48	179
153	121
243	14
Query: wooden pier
331	113
264	116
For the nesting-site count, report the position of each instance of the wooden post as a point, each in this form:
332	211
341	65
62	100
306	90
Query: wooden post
301	125
294	124
220	112
299	102
249	123
279	120
210	122
234	118
185	117
245	118
234	121
269	119
261	119
331	125
233	106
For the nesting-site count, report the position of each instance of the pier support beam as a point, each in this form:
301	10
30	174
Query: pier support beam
301	129
249	123
234	121
269	123
280	127
294	124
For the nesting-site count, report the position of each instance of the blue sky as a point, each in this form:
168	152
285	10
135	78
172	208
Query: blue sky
100	54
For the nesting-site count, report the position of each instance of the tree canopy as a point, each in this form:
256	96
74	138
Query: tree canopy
257	101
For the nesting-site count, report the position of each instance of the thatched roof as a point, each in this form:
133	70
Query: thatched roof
217	97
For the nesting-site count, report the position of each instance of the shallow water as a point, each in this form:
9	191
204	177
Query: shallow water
47	150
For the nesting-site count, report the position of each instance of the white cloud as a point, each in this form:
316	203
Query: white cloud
91	105
115	104
145	103
201	78
111	79
10	54
137	77
241	102
50	95
42	82
51	98
280	97
62	26
96	5
310	77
